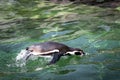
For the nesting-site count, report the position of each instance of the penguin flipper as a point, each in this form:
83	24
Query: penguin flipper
56	57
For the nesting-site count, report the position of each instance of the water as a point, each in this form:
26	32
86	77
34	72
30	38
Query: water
86	27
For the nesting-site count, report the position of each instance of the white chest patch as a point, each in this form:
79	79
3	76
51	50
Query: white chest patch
38	53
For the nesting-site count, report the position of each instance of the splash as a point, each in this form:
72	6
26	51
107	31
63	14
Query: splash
23	55
20	63
21	58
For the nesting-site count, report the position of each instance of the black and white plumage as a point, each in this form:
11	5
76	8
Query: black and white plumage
45	49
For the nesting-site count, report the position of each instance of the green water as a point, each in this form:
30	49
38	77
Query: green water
93	29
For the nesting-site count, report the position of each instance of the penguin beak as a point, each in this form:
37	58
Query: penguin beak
82	53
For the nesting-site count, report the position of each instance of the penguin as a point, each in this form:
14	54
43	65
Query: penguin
51	49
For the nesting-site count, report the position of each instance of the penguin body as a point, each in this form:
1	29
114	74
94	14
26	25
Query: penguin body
54	49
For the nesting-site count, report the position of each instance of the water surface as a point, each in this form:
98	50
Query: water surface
85	27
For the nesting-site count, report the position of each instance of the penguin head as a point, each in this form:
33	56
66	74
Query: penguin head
75	51
78	51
